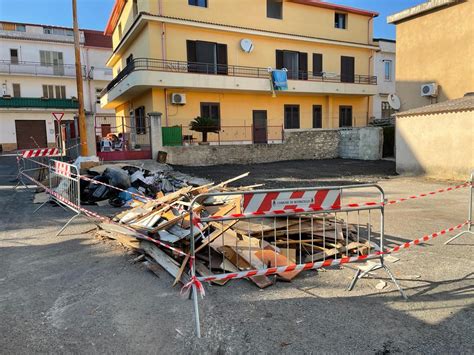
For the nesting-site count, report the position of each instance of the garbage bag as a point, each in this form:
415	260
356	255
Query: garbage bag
117	177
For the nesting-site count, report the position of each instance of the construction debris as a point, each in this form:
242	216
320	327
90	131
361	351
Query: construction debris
223	246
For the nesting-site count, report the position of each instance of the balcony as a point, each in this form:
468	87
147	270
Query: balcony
35	102
38	69
143	73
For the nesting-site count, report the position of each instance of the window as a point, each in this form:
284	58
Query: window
16	90
347	69
317	116
49	91
200	3
58	31
275	9
213	111
97	95
48	58
206	57
387	110
340	20
295	62
388	70
14	56
345	116
140	120
135	8
292	116
12	27
317	64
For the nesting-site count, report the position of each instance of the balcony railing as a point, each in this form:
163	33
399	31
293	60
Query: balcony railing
35	102
35	68
177	66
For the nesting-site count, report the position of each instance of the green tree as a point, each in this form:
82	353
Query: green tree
204	125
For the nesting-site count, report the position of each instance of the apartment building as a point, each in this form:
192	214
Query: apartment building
189	58
384	68
38	77
435	50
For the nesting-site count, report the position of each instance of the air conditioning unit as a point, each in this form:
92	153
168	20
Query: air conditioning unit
429	89
178	99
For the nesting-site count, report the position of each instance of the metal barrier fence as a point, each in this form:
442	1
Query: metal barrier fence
283	232
61	178
469	221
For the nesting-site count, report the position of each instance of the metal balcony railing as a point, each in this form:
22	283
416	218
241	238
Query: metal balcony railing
35	68
230	70
30	102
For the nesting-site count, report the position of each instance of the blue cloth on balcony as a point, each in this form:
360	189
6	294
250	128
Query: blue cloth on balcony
280	80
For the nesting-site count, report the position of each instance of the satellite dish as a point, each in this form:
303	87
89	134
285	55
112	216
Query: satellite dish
246	45
394	101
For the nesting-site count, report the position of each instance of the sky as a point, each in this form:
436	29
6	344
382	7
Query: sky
93	14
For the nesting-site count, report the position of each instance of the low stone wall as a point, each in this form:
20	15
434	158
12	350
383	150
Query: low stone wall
298	145
365	143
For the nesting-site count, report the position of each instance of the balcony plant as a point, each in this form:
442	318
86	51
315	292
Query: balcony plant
204	125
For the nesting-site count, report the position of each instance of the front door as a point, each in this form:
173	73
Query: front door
259	126
31	134
347	69
105	129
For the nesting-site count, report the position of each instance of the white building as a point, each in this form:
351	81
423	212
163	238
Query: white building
38	77
384	69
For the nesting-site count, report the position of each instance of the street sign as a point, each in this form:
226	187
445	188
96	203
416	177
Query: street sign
58	116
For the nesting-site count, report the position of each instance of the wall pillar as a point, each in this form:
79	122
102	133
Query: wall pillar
91	134
156	138
330	113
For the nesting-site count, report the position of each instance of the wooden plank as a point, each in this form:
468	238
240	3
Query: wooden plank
227	182
202	270
331	252
269	257
241	264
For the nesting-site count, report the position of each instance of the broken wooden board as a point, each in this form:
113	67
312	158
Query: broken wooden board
163	259
202	270
272	259
334	251
261	281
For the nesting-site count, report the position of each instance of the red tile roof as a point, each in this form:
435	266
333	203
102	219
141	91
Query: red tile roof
327	5
97	39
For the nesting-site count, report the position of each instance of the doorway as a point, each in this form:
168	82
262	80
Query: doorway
260	126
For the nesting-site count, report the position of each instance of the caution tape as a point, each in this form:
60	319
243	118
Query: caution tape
90	213
328	262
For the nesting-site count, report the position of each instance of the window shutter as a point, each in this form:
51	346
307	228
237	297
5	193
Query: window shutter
317	64
303	66
279	59
191	50
222	59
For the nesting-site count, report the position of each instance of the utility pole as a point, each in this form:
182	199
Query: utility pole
80	88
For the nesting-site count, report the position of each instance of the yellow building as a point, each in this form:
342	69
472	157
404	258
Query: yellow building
435	51
217	54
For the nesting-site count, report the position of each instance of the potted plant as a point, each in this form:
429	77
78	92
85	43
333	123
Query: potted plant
204	125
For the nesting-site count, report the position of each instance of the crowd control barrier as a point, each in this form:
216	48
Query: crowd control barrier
283	232
469	222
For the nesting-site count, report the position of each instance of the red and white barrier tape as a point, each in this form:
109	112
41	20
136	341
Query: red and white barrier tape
325	263
105	219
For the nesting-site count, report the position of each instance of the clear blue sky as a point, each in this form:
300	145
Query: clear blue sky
93	14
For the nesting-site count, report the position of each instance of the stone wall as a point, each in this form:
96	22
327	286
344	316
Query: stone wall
298	145
365	143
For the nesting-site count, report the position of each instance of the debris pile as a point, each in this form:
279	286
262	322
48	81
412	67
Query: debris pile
135	182
233	245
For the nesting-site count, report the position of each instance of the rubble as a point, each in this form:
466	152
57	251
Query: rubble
224	246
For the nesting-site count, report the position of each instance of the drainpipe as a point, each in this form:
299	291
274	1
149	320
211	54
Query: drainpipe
371	58
163	55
